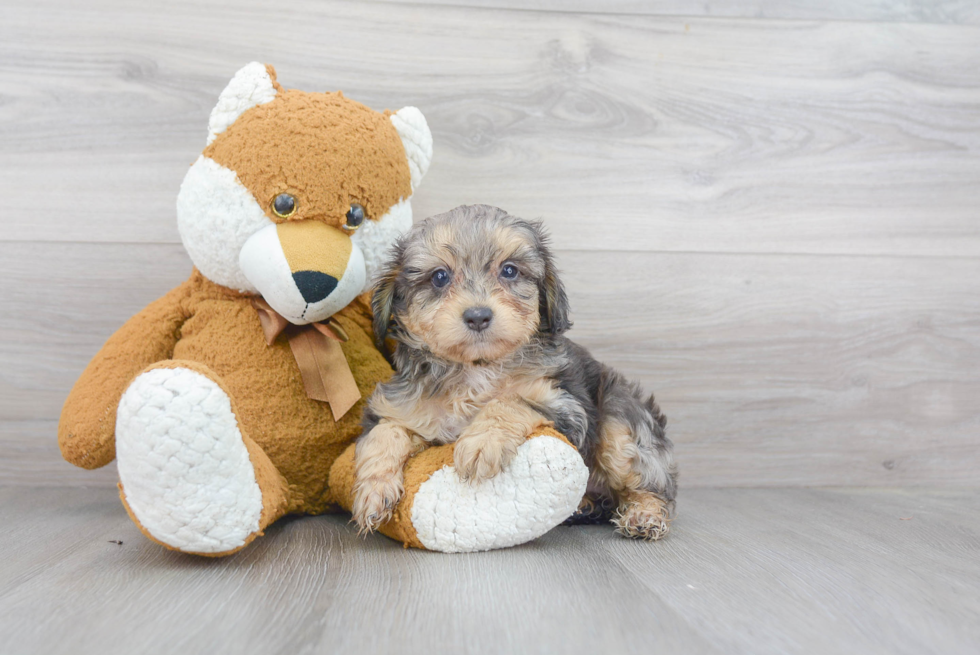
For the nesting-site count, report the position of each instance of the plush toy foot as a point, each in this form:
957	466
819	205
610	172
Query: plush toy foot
540	488
188	476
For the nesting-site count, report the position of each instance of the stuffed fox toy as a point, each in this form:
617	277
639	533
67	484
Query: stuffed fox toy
236	398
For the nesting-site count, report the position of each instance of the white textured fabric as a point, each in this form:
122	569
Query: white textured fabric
185	471
216	215
540	488
375	238
417	140
250	87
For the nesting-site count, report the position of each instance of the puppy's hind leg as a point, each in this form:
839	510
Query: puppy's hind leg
643	515
634	462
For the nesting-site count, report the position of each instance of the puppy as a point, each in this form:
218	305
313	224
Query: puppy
477	313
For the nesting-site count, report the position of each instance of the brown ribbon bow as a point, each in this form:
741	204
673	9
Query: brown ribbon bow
326	373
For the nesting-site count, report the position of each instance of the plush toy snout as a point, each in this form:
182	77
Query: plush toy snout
306	270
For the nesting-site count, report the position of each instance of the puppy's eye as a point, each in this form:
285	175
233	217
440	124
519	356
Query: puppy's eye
509	271
284	205
355	216
441	278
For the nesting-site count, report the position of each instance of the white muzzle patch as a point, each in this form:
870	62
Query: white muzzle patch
298	296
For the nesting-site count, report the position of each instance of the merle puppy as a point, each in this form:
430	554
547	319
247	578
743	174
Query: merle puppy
473	302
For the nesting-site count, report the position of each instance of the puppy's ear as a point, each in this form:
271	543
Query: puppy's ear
383	299
553	302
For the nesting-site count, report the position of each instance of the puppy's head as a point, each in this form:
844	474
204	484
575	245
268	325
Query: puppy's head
471	285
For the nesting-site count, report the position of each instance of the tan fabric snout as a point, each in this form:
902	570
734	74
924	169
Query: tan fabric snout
314	246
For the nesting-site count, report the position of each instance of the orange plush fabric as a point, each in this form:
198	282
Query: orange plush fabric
217	328
299	435
292	144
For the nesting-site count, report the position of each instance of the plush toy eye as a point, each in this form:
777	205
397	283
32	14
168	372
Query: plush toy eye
355	216
509	271
284	205
440	278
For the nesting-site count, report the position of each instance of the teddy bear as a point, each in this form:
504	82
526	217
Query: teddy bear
236	398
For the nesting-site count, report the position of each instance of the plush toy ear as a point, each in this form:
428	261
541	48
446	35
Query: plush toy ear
383	299
417	139
253	85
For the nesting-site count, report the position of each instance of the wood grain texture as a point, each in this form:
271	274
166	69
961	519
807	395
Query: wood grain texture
773	370
771	223
637	132
912	11
29	457
744	571
765	210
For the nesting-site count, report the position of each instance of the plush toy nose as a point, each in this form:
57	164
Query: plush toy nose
478	318
314	285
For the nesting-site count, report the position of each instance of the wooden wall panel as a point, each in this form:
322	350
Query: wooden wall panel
773	369
909	11
681	134
766	212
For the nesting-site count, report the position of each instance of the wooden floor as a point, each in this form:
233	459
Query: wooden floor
745	571
767	211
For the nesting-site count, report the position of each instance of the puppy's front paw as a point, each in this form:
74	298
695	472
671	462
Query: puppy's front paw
480	457
374	502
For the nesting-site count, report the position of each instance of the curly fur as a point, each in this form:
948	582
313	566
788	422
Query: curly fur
486	390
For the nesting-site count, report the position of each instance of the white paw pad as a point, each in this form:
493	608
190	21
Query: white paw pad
185	471
540	488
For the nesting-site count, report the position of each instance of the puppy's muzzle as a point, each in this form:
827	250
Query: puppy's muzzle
478	319
307	270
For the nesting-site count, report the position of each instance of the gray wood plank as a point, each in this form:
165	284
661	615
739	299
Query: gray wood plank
745	571
773	370
637	132
29	457
312	585
791	370
32	545
914	11
70	299
806	571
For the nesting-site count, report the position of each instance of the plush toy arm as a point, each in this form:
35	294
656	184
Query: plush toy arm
540	488
86	432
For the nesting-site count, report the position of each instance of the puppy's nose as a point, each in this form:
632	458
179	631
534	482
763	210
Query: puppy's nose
478	318
314	285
